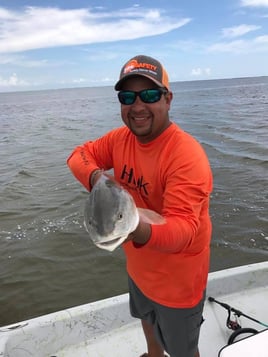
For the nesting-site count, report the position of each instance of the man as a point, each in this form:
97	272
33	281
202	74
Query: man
166	170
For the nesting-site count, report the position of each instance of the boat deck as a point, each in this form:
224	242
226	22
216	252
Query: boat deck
253	302
105	328
128	340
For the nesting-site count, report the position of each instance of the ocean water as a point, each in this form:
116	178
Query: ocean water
47	260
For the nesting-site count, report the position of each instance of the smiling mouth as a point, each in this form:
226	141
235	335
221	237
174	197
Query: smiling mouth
140	121
140	118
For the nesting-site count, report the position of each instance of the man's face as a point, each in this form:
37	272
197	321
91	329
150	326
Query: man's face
146	120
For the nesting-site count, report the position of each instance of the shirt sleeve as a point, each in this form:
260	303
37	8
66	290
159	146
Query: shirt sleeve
90	156
188	184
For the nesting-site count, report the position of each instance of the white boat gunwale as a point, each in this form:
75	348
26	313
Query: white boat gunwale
97	328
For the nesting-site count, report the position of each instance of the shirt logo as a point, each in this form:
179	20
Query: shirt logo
129	178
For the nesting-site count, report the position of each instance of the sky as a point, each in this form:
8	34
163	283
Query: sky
78	43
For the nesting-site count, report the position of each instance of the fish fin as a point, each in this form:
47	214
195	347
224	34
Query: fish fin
151	217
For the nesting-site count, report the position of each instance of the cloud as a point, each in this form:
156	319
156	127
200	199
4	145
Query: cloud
254	3
22	61
37	27
197	72
237	31
12	81
261	39
79	80
257	44
237	46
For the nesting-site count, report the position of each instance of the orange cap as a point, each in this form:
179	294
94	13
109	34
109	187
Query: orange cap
144	66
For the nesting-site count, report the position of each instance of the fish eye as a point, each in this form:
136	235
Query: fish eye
120	215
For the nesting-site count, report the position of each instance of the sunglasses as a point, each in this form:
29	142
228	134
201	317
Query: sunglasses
128	97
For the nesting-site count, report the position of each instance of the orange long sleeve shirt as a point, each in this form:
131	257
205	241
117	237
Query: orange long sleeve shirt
170	175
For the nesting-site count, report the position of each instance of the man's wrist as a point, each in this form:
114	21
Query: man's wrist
94	175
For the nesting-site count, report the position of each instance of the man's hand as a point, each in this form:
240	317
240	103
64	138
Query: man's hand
142	233
95	175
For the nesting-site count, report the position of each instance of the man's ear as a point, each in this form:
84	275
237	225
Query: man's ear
169	97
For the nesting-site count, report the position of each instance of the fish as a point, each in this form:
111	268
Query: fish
111	214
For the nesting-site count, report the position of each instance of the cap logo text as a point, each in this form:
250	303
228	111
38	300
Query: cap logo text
135	65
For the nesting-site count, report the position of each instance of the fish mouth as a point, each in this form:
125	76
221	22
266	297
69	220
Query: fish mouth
109	241
110	245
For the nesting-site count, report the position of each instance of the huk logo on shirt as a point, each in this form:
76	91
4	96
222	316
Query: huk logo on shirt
127	176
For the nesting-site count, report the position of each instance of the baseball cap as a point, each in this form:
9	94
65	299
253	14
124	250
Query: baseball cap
144	66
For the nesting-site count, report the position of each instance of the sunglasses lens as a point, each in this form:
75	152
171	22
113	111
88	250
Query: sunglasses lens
126	97
147	96
150	95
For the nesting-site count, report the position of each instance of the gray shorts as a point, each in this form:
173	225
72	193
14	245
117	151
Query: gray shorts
177	330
